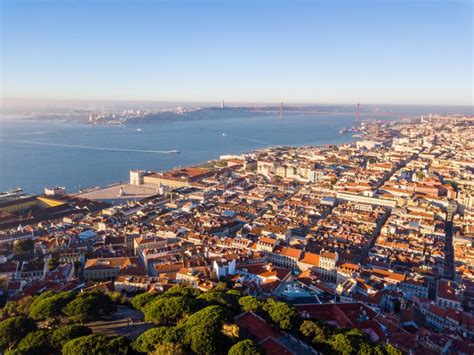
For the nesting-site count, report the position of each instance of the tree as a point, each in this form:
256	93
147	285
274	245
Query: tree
220	287
341	344
116	298
13	330
420	175
182	291
18	308
53	263
366	349
205	340
41	297
89	305
62	335
235	293
97	344
249	303
313	331
168	310
24	246
357	337
119	345
202	330
218	298
141	300
280	313
36	343
211	316
50	307
392	350
169	349
307	328
246	347
148	340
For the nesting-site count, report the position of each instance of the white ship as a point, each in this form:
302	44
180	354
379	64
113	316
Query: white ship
10	194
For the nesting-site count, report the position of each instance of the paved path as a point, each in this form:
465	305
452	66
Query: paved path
113	192
126	322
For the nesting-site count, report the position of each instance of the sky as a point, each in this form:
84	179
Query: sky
386	52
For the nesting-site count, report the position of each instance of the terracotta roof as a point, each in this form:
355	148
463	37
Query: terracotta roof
311	259
271	346
266	240
326	254
290	252
256	326
446	290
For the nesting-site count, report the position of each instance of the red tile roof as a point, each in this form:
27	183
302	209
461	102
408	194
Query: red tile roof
256	326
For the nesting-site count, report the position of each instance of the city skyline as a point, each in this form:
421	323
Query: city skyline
324	52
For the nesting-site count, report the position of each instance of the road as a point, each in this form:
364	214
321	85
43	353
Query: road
449	248
126	322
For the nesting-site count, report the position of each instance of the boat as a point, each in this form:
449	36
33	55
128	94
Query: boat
223	134
12	193
139	129
173	151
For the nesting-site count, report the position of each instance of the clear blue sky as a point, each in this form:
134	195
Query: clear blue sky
377	51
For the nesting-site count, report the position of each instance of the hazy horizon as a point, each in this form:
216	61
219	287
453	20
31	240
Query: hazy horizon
217	102
323	52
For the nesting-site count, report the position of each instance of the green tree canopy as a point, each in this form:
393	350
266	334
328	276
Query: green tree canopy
281	314
202	330
53	263
141	300
218	298
357	337
41	297
97	344
249	303
313	331
37	342
169	349
354	341
18	308
24	245
182	291
371	349
116	298
246	347
236	293
206	340
13	330
211	316
148	340
341	344
392	350
168	310
89	305
49	307
220	287
62	335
